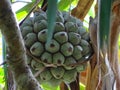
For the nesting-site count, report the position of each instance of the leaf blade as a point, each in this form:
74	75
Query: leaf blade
51	16
104	21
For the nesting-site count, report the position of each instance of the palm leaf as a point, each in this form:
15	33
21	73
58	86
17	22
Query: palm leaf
51	15
104	21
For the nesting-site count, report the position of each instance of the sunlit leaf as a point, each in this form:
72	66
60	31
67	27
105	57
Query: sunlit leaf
49	87
24	11
82	87
65	4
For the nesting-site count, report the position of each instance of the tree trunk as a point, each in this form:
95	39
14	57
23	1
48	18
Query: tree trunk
16	50
113	47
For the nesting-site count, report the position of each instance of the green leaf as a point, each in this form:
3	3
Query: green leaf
46	86
65	4
24	11
82	87
51	15
104	21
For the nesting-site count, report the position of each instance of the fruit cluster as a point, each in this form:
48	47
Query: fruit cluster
69	46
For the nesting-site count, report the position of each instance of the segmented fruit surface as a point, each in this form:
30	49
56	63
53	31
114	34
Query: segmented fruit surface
58	60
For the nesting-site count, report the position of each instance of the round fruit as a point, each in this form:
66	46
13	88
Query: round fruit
26	30
77	53
52	47
38	26
68	63
71	27
61	37
59	27
67	49
42	35
58	59
70	76
39	16
57	72
45	75
30	39
27	22
86	47
37	66
37	49
74	38
46	57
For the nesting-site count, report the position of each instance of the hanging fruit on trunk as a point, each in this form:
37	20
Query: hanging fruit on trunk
61	58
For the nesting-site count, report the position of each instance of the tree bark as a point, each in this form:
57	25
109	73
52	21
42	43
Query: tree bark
17	59
113	45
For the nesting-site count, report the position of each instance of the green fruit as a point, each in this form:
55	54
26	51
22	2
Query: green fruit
71	19
37	49
71	27
79	22
86	36
61	37
57	72
74	38
59	18
38	26
53	46
81	68
59	27
77	53
54	82
26	30
81	30
70	76
68	62
37	66
66	15
67	49
58	58
86	47
37	13
42	35
39	17
27	22
30	39
45	75
46	57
